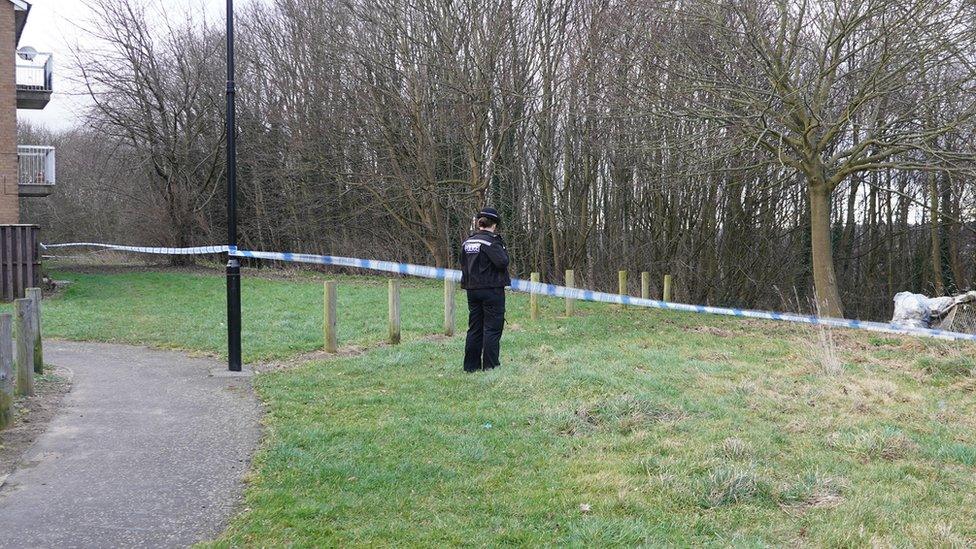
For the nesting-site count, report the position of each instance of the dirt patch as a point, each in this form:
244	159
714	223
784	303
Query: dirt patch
31	417
343	352
305	358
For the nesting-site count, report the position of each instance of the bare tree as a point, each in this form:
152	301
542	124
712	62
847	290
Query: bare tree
756	151
831	89
153	81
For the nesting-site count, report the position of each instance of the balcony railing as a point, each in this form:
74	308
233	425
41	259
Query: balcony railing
36	166
35	79
35	71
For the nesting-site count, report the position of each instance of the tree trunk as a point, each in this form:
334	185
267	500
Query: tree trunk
936	243
824	277
846	243
952	213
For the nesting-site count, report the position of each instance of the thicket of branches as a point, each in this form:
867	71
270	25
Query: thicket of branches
755	150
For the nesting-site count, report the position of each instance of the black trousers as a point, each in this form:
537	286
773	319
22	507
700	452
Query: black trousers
486	319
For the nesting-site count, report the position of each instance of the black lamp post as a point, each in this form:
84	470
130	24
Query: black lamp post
233	265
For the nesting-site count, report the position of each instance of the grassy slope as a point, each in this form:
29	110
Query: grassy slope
671	428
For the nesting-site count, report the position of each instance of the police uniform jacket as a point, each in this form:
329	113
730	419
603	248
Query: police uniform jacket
484	262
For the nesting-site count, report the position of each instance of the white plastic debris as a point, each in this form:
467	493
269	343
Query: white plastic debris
920	311
911	310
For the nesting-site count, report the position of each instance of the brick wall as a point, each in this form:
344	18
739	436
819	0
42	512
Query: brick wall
9	199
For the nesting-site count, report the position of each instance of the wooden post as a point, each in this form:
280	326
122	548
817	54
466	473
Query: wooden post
622	285
25	349
35	296
450	306
6	371
329	317
667	287
645	285
534	298
394	311
570	283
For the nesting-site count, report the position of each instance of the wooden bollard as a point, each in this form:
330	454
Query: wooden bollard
534	298
394	308
6	371
35	296
645	285
570	283
667	288
622	285
450	306
329	317
25	350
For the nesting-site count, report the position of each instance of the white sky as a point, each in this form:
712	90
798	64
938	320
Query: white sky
53	26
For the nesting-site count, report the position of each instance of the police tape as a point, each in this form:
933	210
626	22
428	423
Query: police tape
550	290
199	250
355	263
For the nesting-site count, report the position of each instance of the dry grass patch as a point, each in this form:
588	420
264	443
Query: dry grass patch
706	355
711	330
866	391
730	485
822	350
942	534
811	491
624	414
887	444
735	449
967	385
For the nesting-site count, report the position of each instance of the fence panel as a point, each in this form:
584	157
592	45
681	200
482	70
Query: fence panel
20	262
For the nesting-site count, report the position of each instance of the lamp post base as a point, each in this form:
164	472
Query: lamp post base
234	315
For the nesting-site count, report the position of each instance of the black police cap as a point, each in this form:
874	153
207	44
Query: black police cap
490	213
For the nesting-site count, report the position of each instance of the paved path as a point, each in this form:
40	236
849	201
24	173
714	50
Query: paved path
147	450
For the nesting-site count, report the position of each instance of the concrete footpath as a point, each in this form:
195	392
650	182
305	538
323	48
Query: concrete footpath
147	450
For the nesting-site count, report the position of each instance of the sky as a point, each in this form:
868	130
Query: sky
56	25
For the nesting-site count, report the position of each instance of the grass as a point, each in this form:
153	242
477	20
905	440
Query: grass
186	310
612	428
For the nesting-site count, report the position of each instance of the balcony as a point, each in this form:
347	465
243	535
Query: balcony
35	71
36	168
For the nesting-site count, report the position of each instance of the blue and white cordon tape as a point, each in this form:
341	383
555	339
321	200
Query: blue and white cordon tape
550	290
199	250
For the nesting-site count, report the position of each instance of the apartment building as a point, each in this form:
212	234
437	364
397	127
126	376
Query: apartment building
27	170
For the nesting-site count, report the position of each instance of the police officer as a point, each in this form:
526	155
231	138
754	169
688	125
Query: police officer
484	274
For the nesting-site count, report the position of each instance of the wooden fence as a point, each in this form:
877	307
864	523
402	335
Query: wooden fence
20	260
331	304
